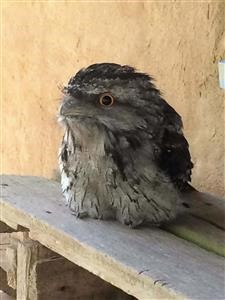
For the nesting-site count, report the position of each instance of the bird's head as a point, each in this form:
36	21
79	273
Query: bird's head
109	96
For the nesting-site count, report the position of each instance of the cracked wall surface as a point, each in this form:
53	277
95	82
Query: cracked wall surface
179	44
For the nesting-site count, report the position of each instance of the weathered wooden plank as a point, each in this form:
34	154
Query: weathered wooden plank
7	263
37	273
23	267
206	207
29	253
8	254
147	263
199	232
11	257
203	222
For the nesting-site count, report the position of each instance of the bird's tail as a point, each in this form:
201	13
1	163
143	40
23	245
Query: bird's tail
184	187
188	188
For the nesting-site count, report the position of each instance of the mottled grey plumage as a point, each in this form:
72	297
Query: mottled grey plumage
127	161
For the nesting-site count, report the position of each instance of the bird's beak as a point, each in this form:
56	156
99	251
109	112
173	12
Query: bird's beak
70	109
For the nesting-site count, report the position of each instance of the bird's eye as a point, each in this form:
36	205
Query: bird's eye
106	99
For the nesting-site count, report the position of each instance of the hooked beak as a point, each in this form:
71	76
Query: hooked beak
70	108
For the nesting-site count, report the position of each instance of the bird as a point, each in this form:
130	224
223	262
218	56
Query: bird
123	154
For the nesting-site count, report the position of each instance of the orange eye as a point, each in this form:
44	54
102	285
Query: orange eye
106	99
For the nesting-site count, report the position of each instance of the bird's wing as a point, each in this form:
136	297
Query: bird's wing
174	156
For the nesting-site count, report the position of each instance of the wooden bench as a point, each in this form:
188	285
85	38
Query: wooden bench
47	253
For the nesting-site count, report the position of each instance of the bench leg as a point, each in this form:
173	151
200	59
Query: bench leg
37	273
24	261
